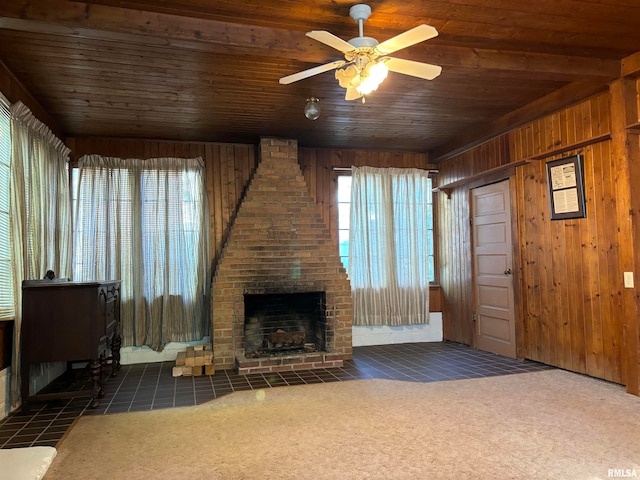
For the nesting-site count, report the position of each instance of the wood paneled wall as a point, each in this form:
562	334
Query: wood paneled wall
570	293
318	169
454	252
488	156
569	268
230	166
228	169
454	237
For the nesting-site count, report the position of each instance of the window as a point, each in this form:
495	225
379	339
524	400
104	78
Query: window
159	195
6	274
144	223
344	217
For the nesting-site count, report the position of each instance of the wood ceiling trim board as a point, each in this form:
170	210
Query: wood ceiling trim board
400	16
463	75
66	18
15	91
293	46
115	21
135	55
550	103
631	65
89	92
549	15
464	60
123	73
199	70
88	58
119	77
615	3
181	109
583	39
516	45
268	14
519	61
566	6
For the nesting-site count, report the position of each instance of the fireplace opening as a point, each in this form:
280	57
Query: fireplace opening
284	323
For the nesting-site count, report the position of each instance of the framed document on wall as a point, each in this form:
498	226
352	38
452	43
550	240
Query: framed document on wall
566	188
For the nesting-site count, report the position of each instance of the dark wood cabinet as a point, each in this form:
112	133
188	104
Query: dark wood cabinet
73	322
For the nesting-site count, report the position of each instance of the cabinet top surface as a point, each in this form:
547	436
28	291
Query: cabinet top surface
65	284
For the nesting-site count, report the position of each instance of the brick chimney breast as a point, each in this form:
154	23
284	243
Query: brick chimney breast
279	243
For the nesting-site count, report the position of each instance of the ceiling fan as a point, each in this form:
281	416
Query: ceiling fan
366	63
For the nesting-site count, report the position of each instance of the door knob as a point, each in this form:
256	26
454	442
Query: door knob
507	271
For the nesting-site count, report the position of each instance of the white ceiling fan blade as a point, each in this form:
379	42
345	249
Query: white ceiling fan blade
410	37
415	69
352	94
294	77
330	39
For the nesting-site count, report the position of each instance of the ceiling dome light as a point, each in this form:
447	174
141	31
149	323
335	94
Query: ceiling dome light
312	108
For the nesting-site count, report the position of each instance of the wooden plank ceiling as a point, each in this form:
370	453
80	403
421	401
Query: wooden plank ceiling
203	70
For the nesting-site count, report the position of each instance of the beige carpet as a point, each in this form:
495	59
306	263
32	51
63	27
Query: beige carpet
544	425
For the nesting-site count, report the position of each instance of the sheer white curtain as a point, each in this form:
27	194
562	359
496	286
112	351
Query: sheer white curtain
388	263
40	213
145	222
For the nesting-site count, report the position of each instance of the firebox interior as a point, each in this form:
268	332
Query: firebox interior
284	323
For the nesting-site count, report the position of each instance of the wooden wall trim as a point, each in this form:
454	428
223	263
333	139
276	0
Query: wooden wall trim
627	150
631	65
503	170
566	96
573	146
83	145
435	298
13	89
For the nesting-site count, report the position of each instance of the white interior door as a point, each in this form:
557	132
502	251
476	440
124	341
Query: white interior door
494	315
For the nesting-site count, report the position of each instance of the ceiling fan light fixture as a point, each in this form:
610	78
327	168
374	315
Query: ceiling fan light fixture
362	70
312	108
347	76
365	79
372	76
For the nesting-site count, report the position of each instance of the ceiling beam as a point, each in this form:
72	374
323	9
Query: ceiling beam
483	59
99	22
631	65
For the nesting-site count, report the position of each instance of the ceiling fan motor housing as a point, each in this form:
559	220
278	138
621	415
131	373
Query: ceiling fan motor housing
360	12
363	42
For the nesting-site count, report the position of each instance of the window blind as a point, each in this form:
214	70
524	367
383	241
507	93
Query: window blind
6	275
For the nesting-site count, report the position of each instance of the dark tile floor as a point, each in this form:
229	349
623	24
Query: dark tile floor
151	386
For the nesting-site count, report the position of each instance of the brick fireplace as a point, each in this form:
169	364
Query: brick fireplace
281	265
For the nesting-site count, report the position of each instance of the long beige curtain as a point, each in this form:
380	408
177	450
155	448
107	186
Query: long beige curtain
388	247
40	213
145	222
